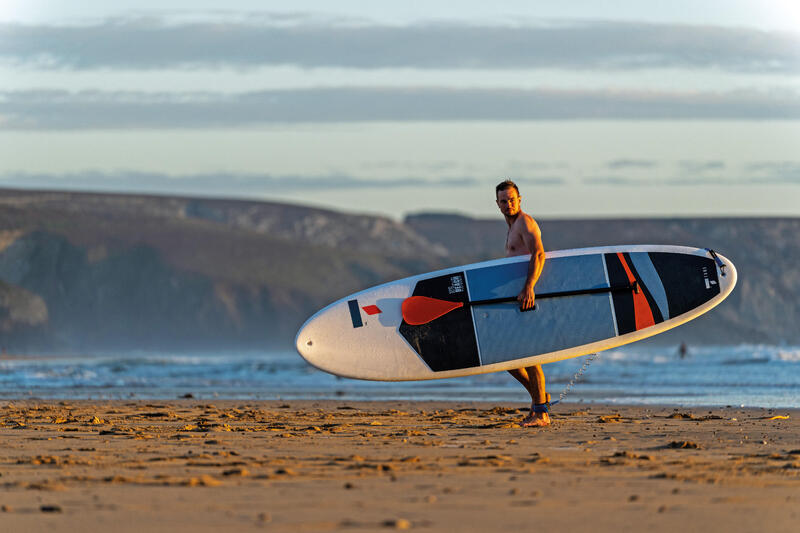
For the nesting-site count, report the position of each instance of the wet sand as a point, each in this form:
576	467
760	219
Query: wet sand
189	465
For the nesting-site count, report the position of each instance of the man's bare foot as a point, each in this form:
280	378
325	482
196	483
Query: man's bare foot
536	420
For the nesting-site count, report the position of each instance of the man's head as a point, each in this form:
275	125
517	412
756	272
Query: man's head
507	197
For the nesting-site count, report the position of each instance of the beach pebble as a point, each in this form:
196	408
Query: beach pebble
236	472
399	523
685	444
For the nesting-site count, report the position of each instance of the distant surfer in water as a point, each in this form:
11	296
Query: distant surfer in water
523	238
683	350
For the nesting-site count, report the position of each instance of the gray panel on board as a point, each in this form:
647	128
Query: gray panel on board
504	333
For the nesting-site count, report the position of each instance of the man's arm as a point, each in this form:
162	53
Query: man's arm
532	237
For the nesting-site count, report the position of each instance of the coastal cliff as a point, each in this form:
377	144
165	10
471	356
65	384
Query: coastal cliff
98	272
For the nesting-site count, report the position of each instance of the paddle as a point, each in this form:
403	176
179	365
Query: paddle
418	310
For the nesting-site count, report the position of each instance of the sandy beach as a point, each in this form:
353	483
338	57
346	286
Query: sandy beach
189	465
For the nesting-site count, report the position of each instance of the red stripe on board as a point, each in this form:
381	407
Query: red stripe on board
371	309
641	309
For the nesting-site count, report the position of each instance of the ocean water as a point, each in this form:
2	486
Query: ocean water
749	375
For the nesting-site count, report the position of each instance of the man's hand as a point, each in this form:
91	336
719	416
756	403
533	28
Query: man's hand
526	299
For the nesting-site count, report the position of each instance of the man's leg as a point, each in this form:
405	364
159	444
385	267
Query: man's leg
532	378
536	379
539	396
521	375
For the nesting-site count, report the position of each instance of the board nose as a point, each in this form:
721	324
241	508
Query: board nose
304	343
313	344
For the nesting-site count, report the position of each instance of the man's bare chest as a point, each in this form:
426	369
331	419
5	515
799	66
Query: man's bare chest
514	243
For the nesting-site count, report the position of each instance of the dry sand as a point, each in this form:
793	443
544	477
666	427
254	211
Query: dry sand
350	466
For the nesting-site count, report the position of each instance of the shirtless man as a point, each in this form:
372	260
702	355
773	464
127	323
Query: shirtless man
523	238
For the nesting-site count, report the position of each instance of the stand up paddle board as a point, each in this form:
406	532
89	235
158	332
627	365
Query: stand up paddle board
466	320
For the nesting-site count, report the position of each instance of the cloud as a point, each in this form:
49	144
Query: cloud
737	179
615	181
32	110
215	183
774	172
689	181
743	180
152	43
540	180
412	166
225	184
622	164
523	165
754	173
696	167
775	167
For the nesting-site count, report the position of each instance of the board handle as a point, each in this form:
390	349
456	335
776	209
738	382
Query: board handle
418	310
716	259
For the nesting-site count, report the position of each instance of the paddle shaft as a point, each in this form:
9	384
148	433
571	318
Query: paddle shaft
620	288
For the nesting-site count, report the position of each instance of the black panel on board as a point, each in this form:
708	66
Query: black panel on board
623	300
689	280
448	342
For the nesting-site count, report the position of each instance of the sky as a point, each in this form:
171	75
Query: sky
595	108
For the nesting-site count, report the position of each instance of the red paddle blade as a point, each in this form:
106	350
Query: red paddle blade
419	310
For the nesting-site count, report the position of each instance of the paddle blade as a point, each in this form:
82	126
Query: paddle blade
418	310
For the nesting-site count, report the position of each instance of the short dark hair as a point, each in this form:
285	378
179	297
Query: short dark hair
506	184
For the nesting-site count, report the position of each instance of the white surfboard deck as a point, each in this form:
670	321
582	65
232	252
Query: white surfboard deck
364	336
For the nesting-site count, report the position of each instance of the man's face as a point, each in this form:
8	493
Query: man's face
508	201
